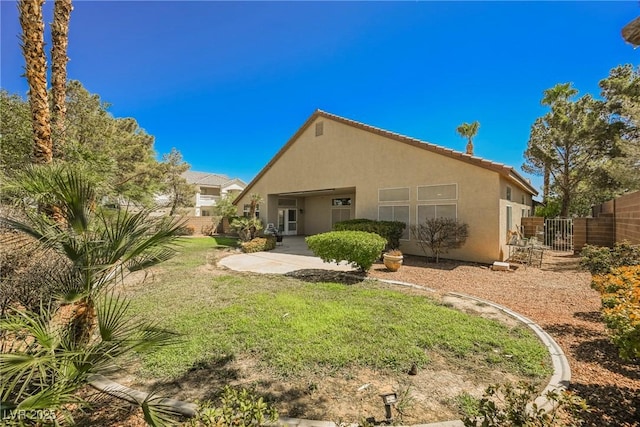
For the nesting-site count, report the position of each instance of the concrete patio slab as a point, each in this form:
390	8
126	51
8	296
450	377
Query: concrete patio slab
278	263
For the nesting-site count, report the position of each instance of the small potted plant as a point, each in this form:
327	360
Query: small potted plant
392	259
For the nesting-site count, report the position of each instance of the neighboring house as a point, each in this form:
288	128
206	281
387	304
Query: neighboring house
210	187
333	169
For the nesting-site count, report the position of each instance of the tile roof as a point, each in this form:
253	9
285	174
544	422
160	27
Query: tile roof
211	179
505	170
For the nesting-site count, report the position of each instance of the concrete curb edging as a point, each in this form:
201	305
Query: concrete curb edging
559	380
561	371
136	397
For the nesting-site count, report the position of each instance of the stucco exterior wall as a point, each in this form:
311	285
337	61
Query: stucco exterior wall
347	157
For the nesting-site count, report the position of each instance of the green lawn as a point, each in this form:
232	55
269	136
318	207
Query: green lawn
295	326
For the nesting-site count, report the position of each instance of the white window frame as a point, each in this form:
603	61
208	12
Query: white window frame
455	184
436	204
246	208
395	188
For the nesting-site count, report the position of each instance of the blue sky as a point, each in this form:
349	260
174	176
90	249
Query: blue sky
227	83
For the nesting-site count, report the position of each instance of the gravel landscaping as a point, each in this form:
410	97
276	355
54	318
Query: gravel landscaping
559	298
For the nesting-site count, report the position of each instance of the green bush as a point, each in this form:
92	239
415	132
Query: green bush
509	405
259	244
359	248
237	408
390	230
247	228
620	293
601	260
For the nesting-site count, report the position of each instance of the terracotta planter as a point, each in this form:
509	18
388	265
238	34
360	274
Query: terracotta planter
392	262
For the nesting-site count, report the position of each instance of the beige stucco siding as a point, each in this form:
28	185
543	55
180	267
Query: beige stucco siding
347	157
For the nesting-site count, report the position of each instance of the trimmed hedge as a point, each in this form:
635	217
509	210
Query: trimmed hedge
389	230
259	244
359	248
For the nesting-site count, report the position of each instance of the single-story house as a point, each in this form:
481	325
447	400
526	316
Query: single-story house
333	169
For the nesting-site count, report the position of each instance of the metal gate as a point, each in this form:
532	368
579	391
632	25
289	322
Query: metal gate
558	234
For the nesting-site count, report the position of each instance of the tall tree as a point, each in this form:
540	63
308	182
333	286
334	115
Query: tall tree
540	154
570	142
591	148
32	25
621	92
469	131
59	40
16	134
116	154
180	192
116	150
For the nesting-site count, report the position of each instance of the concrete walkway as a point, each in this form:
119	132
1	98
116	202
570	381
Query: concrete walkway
291	255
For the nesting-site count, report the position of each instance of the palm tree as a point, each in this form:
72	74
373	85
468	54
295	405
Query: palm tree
59	40
46	357
469	131
32	25
101	247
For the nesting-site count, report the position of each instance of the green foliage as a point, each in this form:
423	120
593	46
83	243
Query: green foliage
601	260
52	353
588	147
359	248
509	405
390	230
16	137
259	244
43	365
237	408
115	153
620	291
439	235
469	131
247	228
173	184
225	208
550	210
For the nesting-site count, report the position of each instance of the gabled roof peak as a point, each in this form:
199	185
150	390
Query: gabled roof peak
504	170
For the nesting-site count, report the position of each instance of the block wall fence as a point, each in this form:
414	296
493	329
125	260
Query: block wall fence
200	223
613	222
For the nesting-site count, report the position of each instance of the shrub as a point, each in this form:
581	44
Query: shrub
600	260
509	405
359	248
186	230
259	244
390	230
28	274
211	228
439	235
247	228
237	408
620	291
